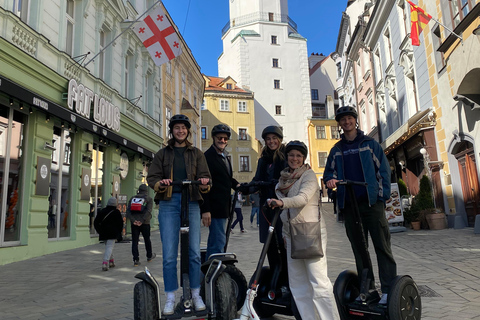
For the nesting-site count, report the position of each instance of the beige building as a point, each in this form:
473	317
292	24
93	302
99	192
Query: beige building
226	103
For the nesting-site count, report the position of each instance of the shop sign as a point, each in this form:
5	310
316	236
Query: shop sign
81	98
42	187
86	184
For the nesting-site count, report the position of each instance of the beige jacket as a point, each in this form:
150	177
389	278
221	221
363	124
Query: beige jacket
303	201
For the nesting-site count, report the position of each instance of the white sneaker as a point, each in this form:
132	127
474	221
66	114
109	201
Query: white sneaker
383	299
169	304
198	303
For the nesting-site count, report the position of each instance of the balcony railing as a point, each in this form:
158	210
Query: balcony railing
259	17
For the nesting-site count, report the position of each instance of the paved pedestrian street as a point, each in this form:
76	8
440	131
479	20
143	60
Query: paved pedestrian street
445	264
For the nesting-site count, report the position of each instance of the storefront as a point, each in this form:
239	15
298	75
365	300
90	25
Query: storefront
59	164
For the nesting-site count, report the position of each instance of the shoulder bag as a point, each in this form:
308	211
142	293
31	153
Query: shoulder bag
306	239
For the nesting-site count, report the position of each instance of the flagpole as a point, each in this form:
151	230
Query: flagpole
451	31
131	24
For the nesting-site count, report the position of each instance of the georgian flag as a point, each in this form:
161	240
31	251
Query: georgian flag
159	37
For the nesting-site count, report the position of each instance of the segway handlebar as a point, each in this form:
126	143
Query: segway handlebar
256	183
184	182
351	182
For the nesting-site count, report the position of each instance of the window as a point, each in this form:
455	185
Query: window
168	115
437	41
229	86
12	134
101	67
224	105
169	67
242	134
195	100
20	8
96	182
377	65
59	208
274	39
322	159
335	131
244	164
339	69
129	74
184	83
70	24
270	16
319	111
388	46
242	106
278	110
204	133
275	63
459	9
203	106
321	134
276	84
314	94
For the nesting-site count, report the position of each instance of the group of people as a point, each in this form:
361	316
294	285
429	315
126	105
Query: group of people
296	192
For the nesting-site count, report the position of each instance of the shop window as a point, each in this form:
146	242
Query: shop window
12	124
59	209
96	189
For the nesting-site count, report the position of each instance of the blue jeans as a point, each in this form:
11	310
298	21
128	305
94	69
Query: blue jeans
169	221
109	244
216	237
255	211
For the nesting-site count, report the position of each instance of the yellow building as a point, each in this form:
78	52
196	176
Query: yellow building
322	135
226	103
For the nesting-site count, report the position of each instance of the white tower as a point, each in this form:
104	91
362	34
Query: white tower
264	53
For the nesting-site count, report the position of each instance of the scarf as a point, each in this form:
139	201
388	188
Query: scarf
288	178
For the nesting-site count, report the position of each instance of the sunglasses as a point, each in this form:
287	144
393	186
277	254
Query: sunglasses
222	138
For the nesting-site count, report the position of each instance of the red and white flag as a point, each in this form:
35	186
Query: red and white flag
159	37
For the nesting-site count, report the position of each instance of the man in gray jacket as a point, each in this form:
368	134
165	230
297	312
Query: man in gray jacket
139	212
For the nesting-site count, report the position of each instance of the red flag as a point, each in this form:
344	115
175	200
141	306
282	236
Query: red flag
159	37
419	19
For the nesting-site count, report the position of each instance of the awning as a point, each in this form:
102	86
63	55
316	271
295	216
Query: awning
20	93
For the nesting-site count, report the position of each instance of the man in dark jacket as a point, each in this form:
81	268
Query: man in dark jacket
139	212
217	201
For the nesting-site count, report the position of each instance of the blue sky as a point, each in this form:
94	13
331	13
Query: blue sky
317	20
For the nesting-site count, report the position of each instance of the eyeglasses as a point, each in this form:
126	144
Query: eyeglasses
222	138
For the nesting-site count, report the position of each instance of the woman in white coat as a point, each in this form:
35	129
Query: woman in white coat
299	194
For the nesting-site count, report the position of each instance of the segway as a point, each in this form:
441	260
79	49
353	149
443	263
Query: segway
268	293
218	296
229	259
355	298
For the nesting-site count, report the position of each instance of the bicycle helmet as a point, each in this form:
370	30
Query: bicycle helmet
272	129
179	118
345	111
297	145
221	128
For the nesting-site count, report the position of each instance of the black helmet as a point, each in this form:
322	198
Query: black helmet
221	128
272	129
179	118
345	111
297	145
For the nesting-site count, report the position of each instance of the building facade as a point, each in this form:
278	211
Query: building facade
225	102
82	114
263	52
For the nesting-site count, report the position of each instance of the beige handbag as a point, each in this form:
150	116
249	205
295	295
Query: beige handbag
306	239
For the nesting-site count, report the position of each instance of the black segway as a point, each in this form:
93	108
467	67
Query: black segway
404	302
218	296
269	292
229	259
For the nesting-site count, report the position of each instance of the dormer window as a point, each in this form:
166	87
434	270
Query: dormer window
229	86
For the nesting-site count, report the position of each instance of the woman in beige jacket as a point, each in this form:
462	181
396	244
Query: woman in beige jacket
299	198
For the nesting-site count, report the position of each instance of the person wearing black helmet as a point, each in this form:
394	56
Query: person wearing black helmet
217	202
298	194
360	158
179	160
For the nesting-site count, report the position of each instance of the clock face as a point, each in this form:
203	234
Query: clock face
124	165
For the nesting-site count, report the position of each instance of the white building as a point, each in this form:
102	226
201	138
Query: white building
264	53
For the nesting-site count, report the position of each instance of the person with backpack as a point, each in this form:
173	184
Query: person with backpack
109	225
139	212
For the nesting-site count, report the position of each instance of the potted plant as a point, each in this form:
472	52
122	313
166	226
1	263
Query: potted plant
429	216
411	216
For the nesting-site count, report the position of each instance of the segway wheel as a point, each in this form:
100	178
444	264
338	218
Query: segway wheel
404	301
239	284
225	302
346	289
145	305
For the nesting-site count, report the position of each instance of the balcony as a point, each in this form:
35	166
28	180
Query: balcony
259	17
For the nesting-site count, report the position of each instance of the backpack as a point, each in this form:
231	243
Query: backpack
138	205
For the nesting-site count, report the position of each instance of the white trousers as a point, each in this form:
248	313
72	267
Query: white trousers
310	285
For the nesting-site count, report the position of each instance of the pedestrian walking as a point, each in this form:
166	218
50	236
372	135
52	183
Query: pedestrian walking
255	202
217	203
179	160
360	158
238	212
109	224
298	195
139	212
